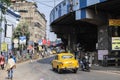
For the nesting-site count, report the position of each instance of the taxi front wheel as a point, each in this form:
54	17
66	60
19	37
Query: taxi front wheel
75	70
53	68
59	70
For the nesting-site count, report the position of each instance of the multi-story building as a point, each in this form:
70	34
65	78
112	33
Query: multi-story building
35	19
8	22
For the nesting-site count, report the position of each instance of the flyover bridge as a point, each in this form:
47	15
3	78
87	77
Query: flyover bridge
86	22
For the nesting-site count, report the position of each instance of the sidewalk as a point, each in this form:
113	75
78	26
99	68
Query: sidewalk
106	69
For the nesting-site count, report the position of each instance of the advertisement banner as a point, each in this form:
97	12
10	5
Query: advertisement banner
115	43
4	47
101	53
22	39
114	22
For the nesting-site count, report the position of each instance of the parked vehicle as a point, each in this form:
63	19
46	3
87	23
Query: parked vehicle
65	61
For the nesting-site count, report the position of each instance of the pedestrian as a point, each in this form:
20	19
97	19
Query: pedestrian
31	55
14	57
2	61
10	66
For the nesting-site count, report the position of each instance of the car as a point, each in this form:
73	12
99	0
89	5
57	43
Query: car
53	52
65	61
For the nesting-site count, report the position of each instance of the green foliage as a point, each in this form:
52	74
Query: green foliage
21	30
6	2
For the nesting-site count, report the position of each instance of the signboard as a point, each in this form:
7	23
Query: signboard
40	42
48	43
4	47
8	40
101	53
115	43
16	45
44	41
9	30
22	39
15	41
114	22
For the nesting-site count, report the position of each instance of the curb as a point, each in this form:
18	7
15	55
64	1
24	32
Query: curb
108	71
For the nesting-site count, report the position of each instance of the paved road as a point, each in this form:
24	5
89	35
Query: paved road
41	70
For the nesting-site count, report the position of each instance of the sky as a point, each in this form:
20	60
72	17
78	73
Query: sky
45	7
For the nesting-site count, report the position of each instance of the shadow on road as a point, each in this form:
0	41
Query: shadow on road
46	60
64	71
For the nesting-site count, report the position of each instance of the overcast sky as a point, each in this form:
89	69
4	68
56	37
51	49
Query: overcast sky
45	6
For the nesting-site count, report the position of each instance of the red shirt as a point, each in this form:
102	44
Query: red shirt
2	60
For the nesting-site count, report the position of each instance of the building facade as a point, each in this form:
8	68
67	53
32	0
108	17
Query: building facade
36	20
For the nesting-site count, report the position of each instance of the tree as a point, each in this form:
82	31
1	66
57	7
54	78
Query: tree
21	30
6	2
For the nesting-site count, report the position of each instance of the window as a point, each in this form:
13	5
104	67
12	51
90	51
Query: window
67	57
23	10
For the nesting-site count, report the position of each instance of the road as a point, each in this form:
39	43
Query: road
41	70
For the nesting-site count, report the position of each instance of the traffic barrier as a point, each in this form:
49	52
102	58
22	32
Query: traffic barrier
111	60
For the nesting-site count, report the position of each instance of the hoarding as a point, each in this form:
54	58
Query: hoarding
115	43
9	30
4	47
22	39
101	53
114	22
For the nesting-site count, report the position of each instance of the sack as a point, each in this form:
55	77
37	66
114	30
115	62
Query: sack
14	67
7	68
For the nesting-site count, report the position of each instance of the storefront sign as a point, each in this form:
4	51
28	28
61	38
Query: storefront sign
115	43
114	22
4	47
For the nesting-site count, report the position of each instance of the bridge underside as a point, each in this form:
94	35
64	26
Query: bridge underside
84	31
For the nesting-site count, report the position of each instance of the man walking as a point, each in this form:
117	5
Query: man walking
10	66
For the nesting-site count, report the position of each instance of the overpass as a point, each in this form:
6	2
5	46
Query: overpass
85	22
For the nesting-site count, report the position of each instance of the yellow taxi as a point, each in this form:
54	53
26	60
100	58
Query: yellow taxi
65	61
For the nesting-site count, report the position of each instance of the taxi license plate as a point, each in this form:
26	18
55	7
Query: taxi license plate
70	66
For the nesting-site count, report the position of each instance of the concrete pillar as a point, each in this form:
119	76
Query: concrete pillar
103	43
103	40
